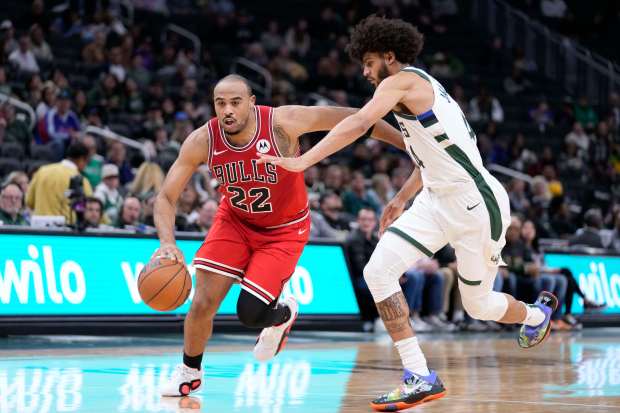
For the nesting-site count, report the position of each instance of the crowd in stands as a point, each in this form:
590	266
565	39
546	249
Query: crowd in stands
155	90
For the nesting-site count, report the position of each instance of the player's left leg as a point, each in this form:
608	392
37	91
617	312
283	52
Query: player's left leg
273	262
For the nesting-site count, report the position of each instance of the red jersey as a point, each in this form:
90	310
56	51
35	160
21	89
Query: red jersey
264	195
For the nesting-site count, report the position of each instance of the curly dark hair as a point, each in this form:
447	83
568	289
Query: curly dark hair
377	34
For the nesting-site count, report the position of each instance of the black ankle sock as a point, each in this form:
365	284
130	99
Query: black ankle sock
193	362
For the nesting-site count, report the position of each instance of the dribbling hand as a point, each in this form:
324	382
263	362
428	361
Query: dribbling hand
169	251
290	164
391	212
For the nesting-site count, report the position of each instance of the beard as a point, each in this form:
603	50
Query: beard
383	72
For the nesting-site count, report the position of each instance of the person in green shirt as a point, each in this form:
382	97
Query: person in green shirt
11	201
92	172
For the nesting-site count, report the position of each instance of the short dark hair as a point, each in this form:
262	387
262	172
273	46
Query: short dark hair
377	34
77	150
237	78
93	200
327	194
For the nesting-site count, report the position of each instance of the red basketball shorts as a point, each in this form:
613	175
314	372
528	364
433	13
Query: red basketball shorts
262	260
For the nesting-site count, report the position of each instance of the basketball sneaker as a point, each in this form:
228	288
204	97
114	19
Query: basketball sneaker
273	339
184	380
531	336
412	391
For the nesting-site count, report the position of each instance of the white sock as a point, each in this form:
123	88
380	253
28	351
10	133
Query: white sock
534	316
412	357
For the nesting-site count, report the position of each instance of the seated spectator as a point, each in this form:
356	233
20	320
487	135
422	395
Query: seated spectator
446	67
572	160
485	108
23	58
520	262
187	206
60	124
542	116
381	190
585	114
330	221
555	186
528	235
15	130
40	48
48	99
148	180
20	179
561	218
516	83
107	192
11	201
129	216
589	235
579	137
357	197
106	94
47	191
359	247
93	213
206	214
117	154
519	201
423	287
333	179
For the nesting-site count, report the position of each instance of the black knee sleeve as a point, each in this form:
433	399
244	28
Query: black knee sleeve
253	312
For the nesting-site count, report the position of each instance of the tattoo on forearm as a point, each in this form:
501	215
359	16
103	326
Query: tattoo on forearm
395	312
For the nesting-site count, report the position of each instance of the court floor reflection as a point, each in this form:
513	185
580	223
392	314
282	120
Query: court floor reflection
317	373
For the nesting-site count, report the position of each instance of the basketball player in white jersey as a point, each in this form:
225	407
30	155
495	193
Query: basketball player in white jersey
457	202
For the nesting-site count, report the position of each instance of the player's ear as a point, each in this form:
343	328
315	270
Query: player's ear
253	99
389	57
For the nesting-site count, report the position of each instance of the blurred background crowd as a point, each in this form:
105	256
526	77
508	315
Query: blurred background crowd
85	70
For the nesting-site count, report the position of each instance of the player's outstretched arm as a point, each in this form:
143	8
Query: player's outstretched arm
387	95
298	120
194	151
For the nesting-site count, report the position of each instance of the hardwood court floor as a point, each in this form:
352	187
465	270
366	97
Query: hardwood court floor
317	373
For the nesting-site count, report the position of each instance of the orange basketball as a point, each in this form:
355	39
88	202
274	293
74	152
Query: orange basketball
164	284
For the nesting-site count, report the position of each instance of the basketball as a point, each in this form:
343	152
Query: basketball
164	284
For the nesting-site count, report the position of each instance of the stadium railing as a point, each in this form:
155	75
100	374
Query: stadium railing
580	71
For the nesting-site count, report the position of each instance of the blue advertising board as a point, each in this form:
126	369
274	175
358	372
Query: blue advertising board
96	275
597	275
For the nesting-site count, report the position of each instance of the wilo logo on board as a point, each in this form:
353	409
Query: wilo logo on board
20	278
600	286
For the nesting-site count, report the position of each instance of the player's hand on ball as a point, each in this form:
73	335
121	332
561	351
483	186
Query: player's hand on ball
391	212
169	251
290	164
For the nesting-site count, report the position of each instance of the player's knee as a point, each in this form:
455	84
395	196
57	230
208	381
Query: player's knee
490	306
204	306
380	280
250	310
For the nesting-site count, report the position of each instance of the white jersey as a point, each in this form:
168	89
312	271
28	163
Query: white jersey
440	141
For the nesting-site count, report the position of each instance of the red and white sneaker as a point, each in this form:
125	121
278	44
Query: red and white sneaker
184	380
273	339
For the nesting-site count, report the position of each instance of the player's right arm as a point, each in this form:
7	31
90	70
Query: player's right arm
194	151
397	205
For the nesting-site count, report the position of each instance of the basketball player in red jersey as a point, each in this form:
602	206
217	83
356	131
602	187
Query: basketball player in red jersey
262	223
